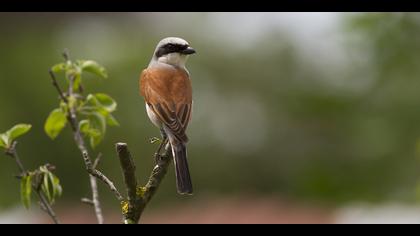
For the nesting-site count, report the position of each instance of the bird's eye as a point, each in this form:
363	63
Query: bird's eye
170	47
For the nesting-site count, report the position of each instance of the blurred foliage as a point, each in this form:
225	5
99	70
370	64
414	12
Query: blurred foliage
7	138
42	178
45	180
95	109
266	121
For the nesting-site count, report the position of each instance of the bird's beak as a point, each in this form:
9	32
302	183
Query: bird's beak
188	51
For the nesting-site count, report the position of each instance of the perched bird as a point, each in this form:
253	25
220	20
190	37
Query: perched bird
166	87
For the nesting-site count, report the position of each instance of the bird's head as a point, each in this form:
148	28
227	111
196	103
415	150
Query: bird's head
173	51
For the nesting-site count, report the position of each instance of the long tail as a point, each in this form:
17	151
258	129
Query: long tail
183	178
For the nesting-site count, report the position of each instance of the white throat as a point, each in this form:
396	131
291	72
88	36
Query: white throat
175	59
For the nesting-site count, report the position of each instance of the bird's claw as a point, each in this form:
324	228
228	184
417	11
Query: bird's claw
154	140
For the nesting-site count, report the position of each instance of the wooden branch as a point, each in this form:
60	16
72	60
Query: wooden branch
138	202
157	175
130	180
129	170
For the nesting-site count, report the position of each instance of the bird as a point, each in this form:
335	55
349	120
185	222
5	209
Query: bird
166	88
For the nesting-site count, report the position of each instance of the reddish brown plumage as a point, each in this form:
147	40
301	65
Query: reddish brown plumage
168	92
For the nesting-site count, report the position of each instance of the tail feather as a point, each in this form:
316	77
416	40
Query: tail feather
183	178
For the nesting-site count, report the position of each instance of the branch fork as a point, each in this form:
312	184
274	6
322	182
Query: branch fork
136	200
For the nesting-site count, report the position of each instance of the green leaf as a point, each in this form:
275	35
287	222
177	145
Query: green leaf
64	107
17	131
46	188
50	184
59	67
85	128
97	107
106	101
77	81
95	135
74	73
55	182
95	140
2	141
56	121
25	190
93	67
97	121
111	121
91	100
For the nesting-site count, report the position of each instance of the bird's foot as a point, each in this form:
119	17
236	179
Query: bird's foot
158	156
154	140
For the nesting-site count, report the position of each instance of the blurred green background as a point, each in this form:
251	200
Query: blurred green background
314	107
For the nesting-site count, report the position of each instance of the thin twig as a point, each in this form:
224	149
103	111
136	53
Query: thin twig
12	152
100	176
97	161
72	118
66	54
138	202
92	179
87	201
47	207
94	174
55	84
95	199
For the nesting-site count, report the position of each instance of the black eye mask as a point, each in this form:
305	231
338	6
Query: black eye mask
170	48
